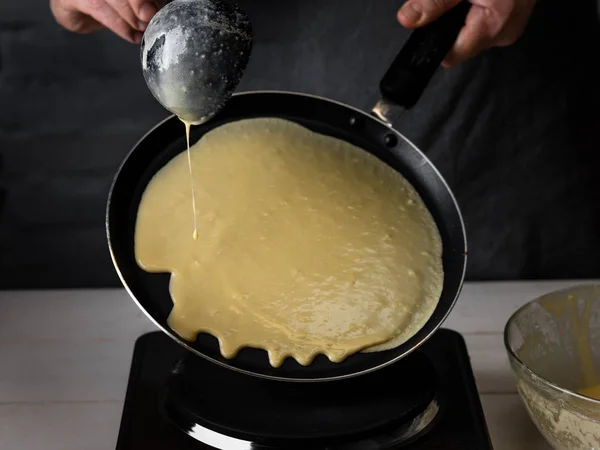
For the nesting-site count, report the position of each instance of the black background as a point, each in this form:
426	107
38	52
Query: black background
514	131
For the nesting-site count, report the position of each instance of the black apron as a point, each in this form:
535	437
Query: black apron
513	130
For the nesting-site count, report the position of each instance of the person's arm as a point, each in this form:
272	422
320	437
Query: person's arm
490	23
126	18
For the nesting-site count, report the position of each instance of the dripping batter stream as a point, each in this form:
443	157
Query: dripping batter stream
189	158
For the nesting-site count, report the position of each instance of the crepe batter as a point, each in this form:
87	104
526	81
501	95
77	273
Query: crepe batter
306	244
580	327
592	392
189	156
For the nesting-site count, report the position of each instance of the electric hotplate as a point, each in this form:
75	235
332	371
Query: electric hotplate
177	400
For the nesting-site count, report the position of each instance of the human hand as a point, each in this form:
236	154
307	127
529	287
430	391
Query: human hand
490	23
126	18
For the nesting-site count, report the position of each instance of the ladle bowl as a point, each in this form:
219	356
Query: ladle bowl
193	55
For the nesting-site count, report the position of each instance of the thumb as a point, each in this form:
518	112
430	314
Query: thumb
416	13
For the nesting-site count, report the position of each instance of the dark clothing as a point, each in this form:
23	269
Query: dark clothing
512	131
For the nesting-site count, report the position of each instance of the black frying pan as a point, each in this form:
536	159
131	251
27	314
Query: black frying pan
401	87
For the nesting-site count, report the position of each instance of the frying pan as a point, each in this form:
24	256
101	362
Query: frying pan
401	87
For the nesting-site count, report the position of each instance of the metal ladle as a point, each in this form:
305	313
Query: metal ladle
194	53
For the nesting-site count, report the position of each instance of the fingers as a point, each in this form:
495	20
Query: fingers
476	35
145	9
516	25
498	25
125	11
103	13
416	13
127	18
490	23
73	20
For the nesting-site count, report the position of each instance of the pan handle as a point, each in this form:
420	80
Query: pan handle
421	56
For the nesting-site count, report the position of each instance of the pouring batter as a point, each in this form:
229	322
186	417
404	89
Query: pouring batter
188	126
306	244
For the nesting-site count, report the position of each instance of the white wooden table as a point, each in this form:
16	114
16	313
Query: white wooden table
65	356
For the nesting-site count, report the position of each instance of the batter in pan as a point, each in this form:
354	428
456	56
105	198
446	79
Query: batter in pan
306	244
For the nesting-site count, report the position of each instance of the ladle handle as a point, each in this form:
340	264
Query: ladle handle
421	56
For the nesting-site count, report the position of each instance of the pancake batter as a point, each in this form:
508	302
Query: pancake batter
592	392
188	125
580	326
306	244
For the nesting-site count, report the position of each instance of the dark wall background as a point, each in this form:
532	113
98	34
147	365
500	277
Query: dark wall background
501	128
72	107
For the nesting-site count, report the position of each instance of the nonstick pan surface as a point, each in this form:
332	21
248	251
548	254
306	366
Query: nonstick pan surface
401	86
166	140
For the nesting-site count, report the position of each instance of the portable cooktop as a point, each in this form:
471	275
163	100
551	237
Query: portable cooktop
179	401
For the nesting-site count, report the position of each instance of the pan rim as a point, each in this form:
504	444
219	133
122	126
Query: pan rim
184	344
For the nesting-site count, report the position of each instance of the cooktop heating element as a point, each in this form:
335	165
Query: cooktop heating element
177	400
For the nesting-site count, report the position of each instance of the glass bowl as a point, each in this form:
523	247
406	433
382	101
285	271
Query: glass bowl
553	345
